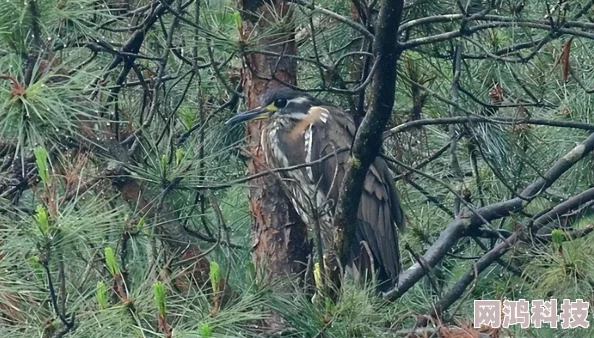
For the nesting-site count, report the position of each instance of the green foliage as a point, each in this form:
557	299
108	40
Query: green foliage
101	295
557	236
563	273
179	155
110	262
42	220
159	291
41	161
205	331
214	276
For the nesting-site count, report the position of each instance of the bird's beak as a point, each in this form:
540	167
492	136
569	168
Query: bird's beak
257	113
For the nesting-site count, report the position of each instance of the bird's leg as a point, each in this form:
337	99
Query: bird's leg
319	243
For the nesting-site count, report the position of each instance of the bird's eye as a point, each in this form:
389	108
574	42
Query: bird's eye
280	103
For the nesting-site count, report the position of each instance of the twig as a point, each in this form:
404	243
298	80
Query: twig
454	164
337	17
442	183
471	275
54	301
494	119
506	264
541	225
210	239
429	197
480	265
426	161
428	270
217	71
264	173
449	237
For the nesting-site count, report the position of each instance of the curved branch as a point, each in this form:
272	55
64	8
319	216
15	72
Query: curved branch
543	224
271	171
337	17
479	266
493	120
455	230
458	33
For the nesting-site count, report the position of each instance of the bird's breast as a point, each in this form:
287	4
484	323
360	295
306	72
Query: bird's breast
284	148
273	149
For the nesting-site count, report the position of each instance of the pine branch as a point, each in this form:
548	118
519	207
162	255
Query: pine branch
455	230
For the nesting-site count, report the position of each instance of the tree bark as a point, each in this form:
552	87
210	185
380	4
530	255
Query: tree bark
368	141
280	246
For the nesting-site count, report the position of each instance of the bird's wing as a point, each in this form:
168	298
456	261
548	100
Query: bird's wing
380	206
380	210
329	138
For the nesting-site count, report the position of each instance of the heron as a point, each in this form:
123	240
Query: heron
304	130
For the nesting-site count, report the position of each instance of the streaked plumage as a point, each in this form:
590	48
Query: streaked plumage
303	129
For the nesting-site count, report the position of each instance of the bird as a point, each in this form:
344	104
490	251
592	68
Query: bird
303	129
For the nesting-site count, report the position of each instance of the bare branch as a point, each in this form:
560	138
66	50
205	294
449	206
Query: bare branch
493	119
337	17
480	265
454	231
543	223
368	140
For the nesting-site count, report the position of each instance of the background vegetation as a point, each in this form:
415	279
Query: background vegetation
123	196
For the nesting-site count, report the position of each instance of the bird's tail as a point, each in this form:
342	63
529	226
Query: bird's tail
366	262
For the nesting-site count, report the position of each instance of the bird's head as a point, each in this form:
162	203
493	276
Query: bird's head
282	103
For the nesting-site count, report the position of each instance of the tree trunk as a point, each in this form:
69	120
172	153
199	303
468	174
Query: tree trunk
280	247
